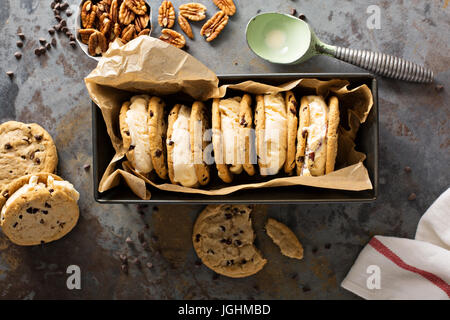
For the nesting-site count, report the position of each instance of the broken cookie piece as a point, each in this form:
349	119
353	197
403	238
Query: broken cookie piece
285	239
223	239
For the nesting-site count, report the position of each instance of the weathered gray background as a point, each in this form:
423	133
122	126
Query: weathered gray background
414	131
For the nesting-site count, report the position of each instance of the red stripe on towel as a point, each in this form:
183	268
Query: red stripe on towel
381	248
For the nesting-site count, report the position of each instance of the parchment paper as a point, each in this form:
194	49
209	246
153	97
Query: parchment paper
148	65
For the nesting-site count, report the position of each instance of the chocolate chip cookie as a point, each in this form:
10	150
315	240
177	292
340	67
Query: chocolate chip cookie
25	149
332	134
285	239
38	208
247	138
223	239
157	132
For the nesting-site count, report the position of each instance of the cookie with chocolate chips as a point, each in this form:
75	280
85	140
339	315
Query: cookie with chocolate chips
198	125
25	149
157	131
38	208
284	238
247	139
292	121
223	239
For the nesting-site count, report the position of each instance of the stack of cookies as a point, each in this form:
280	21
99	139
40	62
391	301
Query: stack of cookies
36	205
235	135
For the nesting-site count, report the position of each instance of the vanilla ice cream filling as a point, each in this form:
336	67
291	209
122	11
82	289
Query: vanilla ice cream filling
183	166
137	121
229	124
274	150
34	185
317	132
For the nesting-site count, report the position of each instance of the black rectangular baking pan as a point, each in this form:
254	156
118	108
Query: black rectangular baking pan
366	142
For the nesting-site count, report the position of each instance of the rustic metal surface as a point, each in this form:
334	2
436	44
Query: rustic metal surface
414	131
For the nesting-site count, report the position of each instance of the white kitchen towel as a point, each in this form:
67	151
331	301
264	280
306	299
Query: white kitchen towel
396	268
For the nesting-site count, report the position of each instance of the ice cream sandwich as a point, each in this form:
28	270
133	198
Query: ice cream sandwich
271	126
246	135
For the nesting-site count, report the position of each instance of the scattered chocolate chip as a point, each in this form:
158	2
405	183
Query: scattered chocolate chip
10	74
42	50
48	46
21	36
243	261
197	237
71	38
42	41
51	31
53	42
55	12
73	44
158	153
128	240
306	289
412	197
19	44
64	29
314	250
23	157
37	52
327	245
293	12
141	237
63	23
57	27
124	268
44	212
439	87
38	137
52	5
86	167
47	205
64	6
301	16
15	225
408	169
18	55
8	146
123	258
69	12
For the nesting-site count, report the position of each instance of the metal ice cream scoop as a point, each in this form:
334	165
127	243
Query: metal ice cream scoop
285	39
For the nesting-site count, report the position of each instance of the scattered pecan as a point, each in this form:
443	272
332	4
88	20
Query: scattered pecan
226	6
141	22
185	26
212	28
172	37
137	6
166	14
193	11
114	11
97	43
129	33
126	16
85	34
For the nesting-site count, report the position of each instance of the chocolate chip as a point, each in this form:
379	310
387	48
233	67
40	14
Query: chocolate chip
38	137
327	245
141	237
301	159
8	146
243	261
306	289
52	5
15	225
73	44
71	38
20	216
10	74
69	13
42	41
131	147
19	44
50	190
51	31
41	221
151	113
63	23
42	50
158	153
21	36
128	240
222	228
238	242
314	250
210	251
149	265
55	12
29	210
293	12
64	28
64	6
35	210
57	27
18	55
439	87
57	6
170	143
302	16
228	216
230	262
37	52
38	161
123	258
53	42
304	133
47	205
42	241
5	194
86	167
312	155
408	169
412	197
124	268
23	157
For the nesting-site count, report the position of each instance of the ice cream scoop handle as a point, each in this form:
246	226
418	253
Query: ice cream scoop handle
385	65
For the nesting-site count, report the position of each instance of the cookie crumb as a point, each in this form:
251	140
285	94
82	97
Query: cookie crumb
412	197
10	74
408	169
128	240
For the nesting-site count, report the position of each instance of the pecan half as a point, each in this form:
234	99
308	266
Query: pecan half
137	6
226	6
185	26
129	33
212	28
85	34
172	37
144	32
114	11
166	14
193	11
141	22
97	43
126	16
116	32
105	24
88	14
104	5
